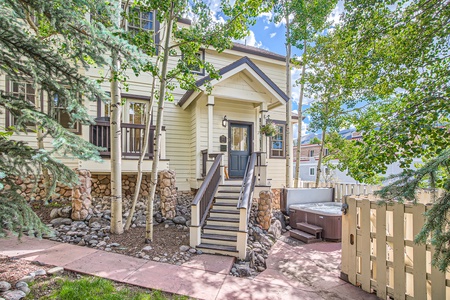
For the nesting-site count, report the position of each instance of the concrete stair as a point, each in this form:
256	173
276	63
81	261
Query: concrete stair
219	234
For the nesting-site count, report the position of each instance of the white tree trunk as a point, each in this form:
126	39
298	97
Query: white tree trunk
319	162
300	121
116	144
142	156
159	120
40	144
288	142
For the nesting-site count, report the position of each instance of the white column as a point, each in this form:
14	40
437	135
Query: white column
210	122
263	112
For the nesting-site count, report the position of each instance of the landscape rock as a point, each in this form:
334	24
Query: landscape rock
55	271
28	278
275	228
147	248
13	295
4	286
54	213
60	221
184	248
179	220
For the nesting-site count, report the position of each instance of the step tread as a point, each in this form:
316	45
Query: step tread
221	227
227	197
224	204
228	192
224	211
217	247
223	219
230	185
221	237
310	228
303	236
302	233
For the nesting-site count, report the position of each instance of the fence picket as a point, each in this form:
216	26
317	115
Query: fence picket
419	255
438	283
381	250
399	251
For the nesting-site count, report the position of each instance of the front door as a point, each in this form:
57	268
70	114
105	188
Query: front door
240	148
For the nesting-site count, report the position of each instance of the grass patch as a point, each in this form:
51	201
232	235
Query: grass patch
94	288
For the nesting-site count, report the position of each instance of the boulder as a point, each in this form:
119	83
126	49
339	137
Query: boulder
275	228
4	286
13	295
179	220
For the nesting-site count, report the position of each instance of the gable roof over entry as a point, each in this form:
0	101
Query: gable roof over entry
242	64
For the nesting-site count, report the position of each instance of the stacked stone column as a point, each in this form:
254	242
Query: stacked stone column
168	193
81	196
264	215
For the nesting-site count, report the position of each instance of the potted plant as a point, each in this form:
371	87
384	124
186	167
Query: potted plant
269	129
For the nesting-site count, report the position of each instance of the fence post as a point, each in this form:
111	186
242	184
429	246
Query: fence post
345	242
365	244
419	255
353	240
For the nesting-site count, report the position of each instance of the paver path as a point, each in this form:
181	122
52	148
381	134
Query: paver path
293	271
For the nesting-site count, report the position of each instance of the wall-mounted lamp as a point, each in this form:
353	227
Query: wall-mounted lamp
268	120
224	121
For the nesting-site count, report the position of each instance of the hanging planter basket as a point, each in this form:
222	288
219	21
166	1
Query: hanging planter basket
270	129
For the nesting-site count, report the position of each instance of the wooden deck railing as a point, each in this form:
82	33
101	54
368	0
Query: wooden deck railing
203	200
132	139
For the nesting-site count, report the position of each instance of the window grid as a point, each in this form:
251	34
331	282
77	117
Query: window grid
277	143
312	171
141	21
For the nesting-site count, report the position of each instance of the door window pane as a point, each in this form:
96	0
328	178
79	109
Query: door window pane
136	113
239	139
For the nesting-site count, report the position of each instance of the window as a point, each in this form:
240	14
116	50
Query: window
277	143
327	171
60	114
311	153
326	152
312	171
20	90
140	21
196	69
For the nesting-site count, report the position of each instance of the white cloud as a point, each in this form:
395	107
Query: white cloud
250	40
334	16
266	27
295	130
273	34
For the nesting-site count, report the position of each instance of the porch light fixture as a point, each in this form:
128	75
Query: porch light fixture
224	121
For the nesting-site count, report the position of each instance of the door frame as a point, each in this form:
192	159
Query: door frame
250	124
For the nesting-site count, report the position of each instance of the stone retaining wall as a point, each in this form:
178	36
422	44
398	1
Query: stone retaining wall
276	199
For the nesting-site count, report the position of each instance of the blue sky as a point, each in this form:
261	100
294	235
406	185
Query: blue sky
270	36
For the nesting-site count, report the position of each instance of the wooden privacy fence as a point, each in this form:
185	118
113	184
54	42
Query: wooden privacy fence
378	252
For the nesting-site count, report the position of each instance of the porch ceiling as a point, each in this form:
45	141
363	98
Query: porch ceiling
242	81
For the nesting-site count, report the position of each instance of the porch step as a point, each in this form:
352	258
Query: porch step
225	205
222	193
222	213
303	236
218	239
218	247
310	228
220	229
226	197
222	219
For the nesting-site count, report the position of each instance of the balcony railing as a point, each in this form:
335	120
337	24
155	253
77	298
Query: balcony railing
132	139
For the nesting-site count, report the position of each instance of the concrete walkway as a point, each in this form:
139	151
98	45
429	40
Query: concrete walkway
293	271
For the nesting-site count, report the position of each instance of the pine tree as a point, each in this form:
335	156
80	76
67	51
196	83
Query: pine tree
46	42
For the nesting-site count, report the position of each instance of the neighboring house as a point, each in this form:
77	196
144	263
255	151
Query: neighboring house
226	121
310	155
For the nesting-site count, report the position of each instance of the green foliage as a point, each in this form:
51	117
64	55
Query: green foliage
94	288
394	56
48	53
436	229
315	140
269	129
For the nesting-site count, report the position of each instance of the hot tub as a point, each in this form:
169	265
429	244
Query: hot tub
327	215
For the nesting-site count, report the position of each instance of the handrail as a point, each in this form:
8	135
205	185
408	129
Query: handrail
248	183
205	194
